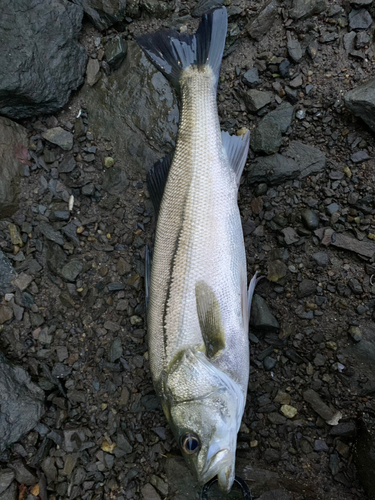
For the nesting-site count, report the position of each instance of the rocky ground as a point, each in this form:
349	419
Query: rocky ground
72	311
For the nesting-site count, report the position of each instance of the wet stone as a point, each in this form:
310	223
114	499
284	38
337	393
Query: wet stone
274	169
355	333
263	21
67	165
23	474
318	404
344	429
149	492
302	9
261	316
6	314
269	363
277	270
6	477
256	99
267	137
321	258
115	350
71	270
309	219
93	72
359	157
294	48
355	286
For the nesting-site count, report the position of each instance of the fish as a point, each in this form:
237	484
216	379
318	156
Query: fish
198	302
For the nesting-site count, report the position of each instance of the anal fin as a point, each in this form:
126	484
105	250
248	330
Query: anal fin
237	148
210	319
157	179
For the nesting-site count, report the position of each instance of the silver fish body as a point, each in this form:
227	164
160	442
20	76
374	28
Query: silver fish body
198	305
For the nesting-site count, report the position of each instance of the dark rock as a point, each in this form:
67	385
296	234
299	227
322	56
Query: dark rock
115	180
60	137
364	454
309	219
346	242
269	363
251	77
149	492
274	170
50	233
148	129
256	99
204	6
23	474
156	8
290	235
71	270
355	333
310	160
355	286
302	9
359	19
361	102
56	258
31	85
277	270
6	477
7	274
321	258
291	94
67	165
306	288
359	157
6	314
13	149
318	404
103	13
261	316
115	350
10	493
283	116
115	51
349	41
363	40
284	68
21	403
263	21
266	138
271	456
333	208
344	429
275	495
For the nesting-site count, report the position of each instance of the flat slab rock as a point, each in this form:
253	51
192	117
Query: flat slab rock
21	403
366	248
103	13
41	61
310	160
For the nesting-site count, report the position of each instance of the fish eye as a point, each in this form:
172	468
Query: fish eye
190	443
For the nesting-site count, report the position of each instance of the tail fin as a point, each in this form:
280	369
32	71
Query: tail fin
172	52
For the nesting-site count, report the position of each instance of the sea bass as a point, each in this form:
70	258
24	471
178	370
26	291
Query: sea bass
198	310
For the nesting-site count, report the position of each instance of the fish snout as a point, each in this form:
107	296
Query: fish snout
222	465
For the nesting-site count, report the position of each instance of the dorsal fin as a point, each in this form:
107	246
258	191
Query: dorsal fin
157	179
237	148
210	320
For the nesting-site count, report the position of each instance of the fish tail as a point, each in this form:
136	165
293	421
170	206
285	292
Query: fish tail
172	52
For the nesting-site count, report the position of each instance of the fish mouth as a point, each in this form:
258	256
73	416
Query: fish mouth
221	460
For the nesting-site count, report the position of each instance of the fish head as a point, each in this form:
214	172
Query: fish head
205	408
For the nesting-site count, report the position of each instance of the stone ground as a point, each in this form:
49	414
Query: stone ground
76	320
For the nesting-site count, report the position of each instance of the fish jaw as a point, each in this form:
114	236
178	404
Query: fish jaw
221	465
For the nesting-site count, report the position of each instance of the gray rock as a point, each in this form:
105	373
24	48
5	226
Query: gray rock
267	137
21	403
13	144
6	477
67	165
7	274
60	137
346	242
302	9
149	492
361	102
181	480
274	170
41	61
359	19
147	131
204	6
23	474
251	77
93	72
71	270
306	288
290	235
310	160
157	8
55	258
283	116
294	48
269	363
321	258
115	51
263	21
115	180
309	219
359	157
261	316
103	13
333	208
362	40
10	493
256	99
349	41
364	453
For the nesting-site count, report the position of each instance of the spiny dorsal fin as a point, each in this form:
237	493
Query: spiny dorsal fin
237	148
157	179
210	320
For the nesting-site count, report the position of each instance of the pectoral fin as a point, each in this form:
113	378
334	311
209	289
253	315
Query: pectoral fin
210	320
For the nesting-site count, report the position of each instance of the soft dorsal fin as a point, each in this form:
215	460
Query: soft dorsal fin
210	320
237	148
157	179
